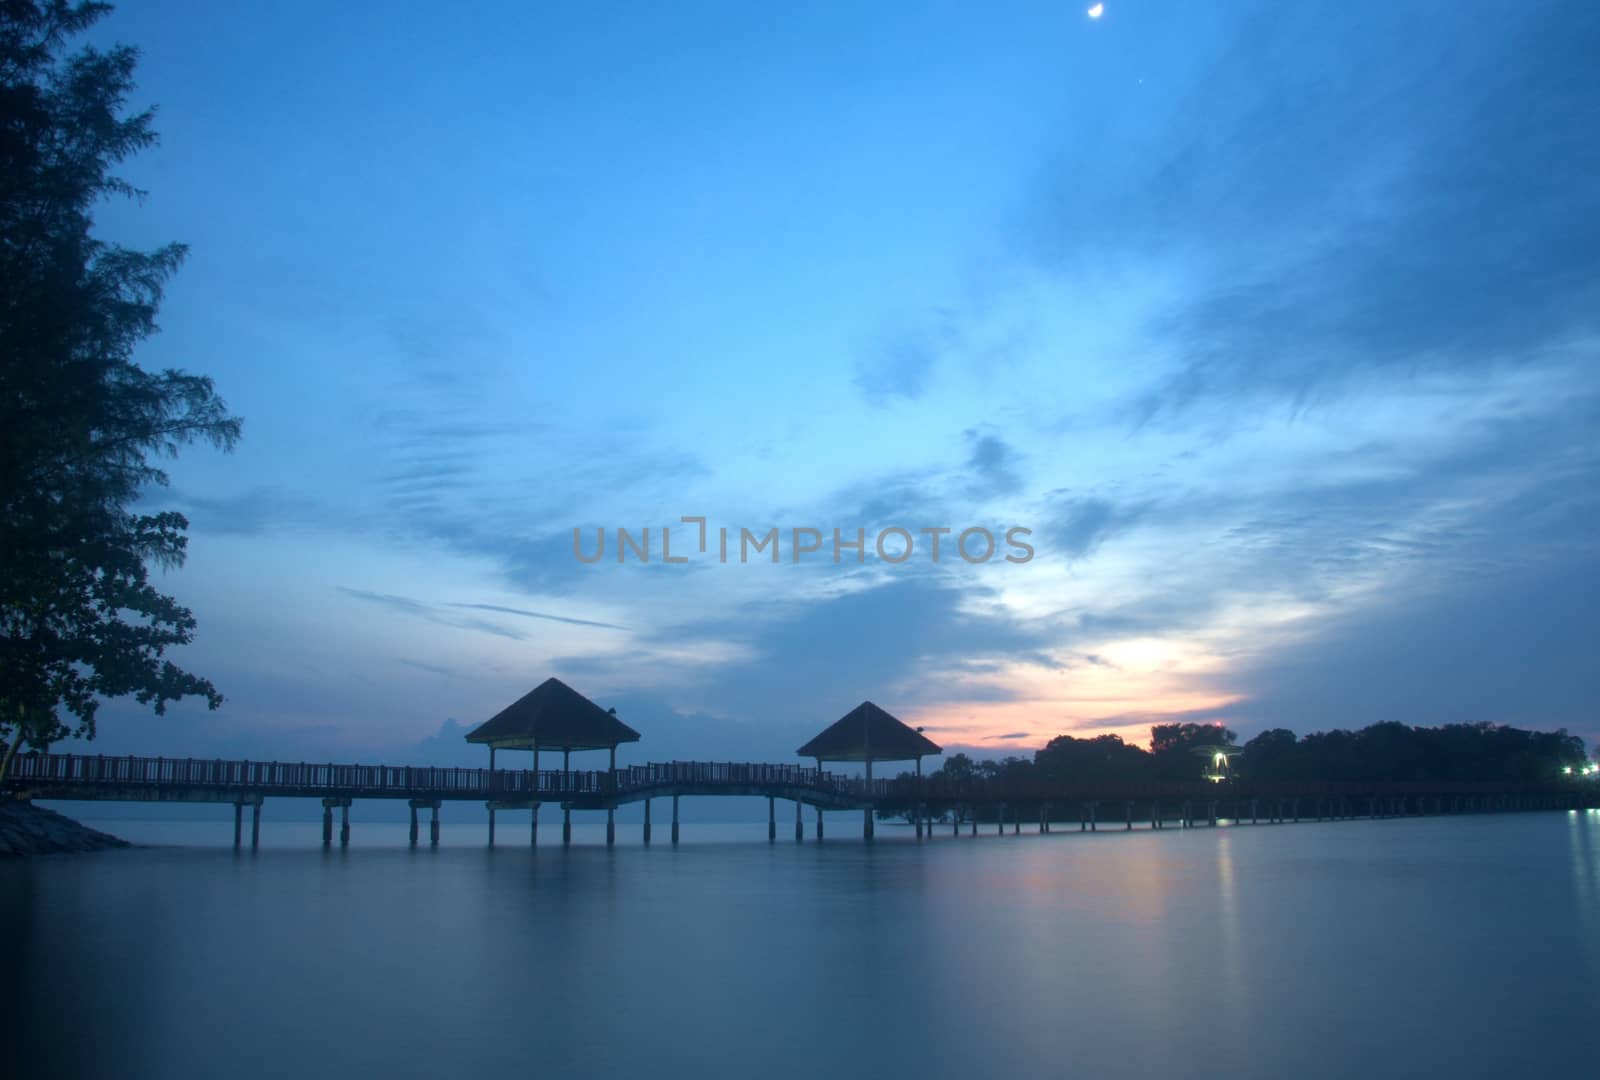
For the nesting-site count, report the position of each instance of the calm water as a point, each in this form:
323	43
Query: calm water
1459	947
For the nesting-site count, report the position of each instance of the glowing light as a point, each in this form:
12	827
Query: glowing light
1220	759
1097	11
1566	770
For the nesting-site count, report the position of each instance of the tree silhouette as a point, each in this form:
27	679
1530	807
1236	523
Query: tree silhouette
80	422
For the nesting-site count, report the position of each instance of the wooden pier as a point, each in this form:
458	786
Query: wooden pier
250	783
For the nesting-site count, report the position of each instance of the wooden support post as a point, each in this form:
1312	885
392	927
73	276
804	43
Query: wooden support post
819	823
255	824
916	820
566	824
866	824
799	822
327	824
611	826
647	823
414	825
238	824
344	824
533	823
433	826
491	825
772	819
674	819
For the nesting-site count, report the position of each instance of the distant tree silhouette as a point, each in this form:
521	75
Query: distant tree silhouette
1388	752
79	420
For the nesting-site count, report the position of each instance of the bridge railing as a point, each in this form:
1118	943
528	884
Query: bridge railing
81	771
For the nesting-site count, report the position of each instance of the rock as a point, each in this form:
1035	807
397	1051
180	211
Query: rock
26	829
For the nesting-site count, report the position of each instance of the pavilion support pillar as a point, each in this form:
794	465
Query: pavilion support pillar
327	824
611	826
647	823
566	824
238	824
866	824
433	826
799	822
772	820
819	823
533	823
916	819
491	825
1211	810
414	824
344	824
255	824
675	819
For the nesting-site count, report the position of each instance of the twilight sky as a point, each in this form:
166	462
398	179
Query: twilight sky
1276	323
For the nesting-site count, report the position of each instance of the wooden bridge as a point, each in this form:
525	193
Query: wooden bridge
922	800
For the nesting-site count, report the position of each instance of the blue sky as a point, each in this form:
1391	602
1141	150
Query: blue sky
1276	324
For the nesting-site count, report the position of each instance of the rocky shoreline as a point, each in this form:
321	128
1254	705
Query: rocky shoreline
26	829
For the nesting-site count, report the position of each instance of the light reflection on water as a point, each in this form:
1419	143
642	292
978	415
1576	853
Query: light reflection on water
1373	948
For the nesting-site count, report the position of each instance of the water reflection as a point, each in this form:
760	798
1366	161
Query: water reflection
1374	949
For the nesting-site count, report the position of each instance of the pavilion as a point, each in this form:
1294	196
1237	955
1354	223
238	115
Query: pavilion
868	733
552	716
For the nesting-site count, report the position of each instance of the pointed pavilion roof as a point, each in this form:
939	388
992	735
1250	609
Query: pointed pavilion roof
553	716
867	731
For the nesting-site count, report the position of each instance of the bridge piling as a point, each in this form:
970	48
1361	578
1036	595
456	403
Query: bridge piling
799	822
611	826
414	824
491	826
819	822
327	824
772	820
433	826
674	819
238	824
255	824
647	823
344	824
533	827
866	824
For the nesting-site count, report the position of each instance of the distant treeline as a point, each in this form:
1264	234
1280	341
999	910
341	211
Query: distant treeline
1383	753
